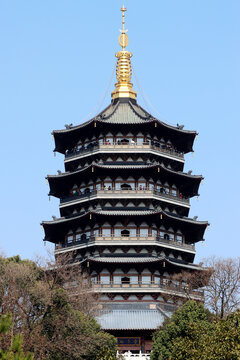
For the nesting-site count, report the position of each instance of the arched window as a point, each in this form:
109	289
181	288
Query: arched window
125	280
166	237
125	233
126	187
125	141
83	237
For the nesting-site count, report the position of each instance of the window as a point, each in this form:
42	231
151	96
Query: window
107	185
125	233
117	279
140	140
143	232
162	234
154	232
105	279
125	280
98	186
109	141
78	237
126	187
124	141
134	279
106	232
83	237
146	279
166	237
69	239
94	279
96	232
75	192
179	238
174	192
141	185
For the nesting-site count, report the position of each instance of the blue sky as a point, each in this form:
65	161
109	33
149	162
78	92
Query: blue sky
56	59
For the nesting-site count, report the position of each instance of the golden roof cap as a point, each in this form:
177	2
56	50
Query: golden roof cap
123	87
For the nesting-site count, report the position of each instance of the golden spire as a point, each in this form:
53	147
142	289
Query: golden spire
124	68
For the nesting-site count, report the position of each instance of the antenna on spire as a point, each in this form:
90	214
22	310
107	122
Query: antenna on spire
123	38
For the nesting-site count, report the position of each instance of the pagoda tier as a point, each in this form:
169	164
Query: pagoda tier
56	231
124	112
62	185
118	153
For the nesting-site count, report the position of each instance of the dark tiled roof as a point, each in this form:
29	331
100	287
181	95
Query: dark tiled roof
123	260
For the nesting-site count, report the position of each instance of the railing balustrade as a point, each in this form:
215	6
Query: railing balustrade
168	285
108	146
128	239
129	356
113	191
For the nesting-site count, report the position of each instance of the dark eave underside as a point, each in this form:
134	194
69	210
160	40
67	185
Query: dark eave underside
56	230
60	185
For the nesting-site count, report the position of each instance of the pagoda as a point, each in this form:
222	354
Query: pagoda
124	211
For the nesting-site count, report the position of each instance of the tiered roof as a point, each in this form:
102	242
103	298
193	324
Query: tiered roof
128	113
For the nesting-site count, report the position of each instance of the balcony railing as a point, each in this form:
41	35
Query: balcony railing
119	147
137	192
127	240
169	286
130	356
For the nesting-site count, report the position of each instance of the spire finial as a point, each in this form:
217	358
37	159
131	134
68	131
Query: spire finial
123	38
124	68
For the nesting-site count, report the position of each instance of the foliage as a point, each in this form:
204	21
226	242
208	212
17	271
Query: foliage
193	334
10	346
225	342
72	334
106	354
180	328
53	305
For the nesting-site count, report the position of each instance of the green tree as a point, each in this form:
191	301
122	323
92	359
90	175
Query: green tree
179	337
193	334
11	346
106	354
225	342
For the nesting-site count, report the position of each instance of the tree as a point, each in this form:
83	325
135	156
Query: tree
11	346
44	304
225	342
72	334
222	294
179	331
194	334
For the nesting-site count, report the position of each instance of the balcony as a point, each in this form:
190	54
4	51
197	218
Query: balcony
141	287
127	194
125	241
145	147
